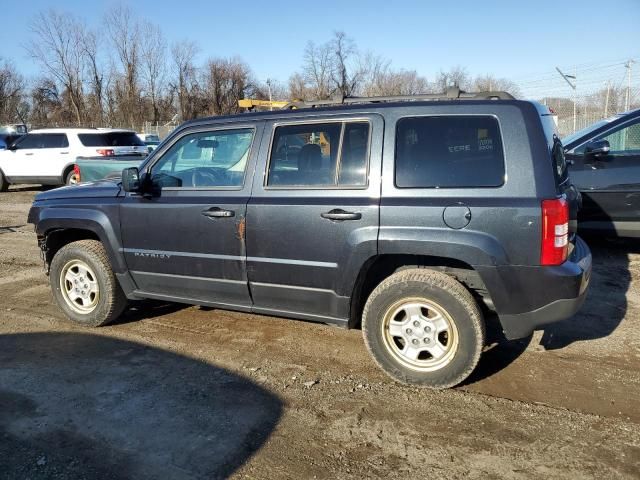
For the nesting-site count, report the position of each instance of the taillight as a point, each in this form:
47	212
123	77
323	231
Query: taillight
76	172
107	152
555	231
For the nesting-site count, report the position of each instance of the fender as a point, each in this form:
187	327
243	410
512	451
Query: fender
472	247
92	219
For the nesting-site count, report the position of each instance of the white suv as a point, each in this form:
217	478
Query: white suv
47	156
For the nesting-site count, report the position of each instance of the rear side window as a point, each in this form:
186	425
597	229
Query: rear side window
320	154
110	139
449	152
55	140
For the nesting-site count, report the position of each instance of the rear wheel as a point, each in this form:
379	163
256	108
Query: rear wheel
4	185
71	178
84	285
424	328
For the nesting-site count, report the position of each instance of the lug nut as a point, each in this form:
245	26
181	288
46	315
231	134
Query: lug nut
426	340
427	329
86	286
409	331
414	341
416	323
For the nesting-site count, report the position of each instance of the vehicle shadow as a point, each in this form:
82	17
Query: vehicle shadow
142	309
76	405
602	312
606	303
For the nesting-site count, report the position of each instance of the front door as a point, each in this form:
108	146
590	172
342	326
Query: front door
610	183
312	219
186	240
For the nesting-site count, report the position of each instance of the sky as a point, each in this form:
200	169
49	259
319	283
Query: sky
516	39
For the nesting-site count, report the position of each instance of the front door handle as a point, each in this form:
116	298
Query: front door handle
28	153
217	212
64	153
339	214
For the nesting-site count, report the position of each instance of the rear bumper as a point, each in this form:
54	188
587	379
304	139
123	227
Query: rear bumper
527	298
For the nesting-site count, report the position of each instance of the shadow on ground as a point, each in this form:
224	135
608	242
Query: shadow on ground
602	312
606	303
86	406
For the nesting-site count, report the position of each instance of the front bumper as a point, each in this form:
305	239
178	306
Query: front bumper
527	298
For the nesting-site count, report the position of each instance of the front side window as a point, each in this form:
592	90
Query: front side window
320	155
32	140
449	152
624	141
205	159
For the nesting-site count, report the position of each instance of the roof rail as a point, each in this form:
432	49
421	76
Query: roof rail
452	93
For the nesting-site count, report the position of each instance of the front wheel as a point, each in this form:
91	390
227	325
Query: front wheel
424	328
4	185
84	285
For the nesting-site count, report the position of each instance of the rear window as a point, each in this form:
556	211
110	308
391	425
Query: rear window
110	139
449	152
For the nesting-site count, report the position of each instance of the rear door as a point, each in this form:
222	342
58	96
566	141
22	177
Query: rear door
186	240
610	183
313	217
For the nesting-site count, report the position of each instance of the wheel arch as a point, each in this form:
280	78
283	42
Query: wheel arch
379	267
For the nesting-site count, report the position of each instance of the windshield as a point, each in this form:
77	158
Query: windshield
580	133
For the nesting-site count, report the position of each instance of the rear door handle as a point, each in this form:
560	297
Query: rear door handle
339	214
64	153
217	212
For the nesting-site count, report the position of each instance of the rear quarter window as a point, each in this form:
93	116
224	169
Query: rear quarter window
111	139
449	152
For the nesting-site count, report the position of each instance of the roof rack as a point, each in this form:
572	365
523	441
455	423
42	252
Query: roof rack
452	93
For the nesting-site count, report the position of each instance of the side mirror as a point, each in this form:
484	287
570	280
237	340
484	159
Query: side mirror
131	179
12	147
597	147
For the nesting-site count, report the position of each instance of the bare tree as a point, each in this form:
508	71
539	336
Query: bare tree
225	82
344	76
153	54
489	83
183	54
455	77
124	32
11	93
58	48
317	70
95	74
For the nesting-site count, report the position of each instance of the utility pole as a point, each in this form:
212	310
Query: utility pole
606	100
627	102
573	86
270	99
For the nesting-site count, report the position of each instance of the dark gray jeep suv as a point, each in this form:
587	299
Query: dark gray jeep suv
407	217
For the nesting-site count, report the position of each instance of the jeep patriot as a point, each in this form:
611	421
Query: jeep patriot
410	218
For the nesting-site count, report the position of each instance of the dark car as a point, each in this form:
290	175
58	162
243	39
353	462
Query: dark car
605	166
407	217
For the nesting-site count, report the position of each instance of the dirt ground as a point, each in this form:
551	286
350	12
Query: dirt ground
173	391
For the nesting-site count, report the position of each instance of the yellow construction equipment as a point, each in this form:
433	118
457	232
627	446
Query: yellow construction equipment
251	104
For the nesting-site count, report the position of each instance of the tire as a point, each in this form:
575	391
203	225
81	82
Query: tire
4	185
423	328
84	285
70	178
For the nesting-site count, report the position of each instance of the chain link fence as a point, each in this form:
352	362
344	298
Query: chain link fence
581	95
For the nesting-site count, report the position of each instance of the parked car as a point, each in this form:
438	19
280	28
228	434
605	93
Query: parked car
91	169
10	133
151	140
605	166
407	218
47	156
